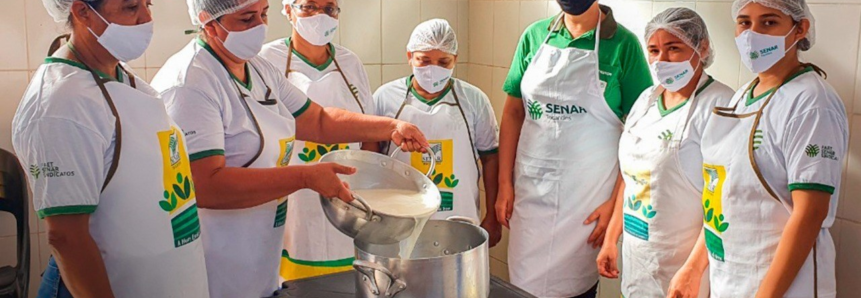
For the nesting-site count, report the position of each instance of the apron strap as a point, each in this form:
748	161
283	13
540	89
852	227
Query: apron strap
248	111
555	27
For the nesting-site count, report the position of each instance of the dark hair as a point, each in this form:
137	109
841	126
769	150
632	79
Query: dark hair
97	4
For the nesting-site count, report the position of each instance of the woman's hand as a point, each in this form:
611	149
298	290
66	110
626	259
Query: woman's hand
494	230
323	178
607	261
685	284
505	204
601	214
409	137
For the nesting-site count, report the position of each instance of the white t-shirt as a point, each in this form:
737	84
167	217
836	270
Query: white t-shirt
476	106
276	53
658	119
802	137
204	99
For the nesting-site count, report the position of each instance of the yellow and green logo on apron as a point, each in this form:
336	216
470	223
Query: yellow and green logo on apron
638	206
178	188
443	174
713	217
313	151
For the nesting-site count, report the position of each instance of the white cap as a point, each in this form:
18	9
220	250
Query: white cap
797	9
435	34
204	11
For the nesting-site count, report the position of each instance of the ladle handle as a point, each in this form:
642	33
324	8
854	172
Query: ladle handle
363	205
368	270
432	159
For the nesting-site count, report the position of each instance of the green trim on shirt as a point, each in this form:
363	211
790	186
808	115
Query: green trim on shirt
246	84
320	67
332	263
488	152
205	154
622	62
429	102
662	108
750	99
66	210
80	65
811	186
303	109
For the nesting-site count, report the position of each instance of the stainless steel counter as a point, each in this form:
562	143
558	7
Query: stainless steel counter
343	285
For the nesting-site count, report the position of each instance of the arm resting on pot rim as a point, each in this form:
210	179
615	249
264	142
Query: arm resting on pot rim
509	134
222	187
333	125
809	210
609	254
81	265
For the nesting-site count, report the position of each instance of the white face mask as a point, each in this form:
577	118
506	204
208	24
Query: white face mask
319	30
432	78
674	75
126	43
245	44
759	52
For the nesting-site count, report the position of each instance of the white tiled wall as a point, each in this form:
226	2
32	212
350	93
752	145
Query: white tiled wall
493	34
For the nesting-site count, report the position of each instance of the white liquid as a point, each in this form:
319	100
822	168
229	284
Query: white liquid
404	203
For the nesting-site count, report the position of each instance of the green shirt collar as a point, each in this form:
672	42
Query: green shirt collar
429	102
608	26
750	99
664	111
320	67
245	84
80	65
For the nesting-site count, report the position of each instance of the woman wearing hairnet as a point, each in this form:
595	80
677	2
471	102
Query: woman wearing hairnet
334	77
107	166
241	117
572	80
455	115
661	163
772	163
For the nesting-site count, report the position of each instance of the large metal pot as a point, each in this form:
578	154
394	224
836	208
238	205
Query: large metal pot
375	171
450	260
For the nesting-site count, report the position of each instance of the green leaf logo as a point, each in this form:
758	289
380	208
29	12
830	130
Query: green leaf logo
307	155
754	55
669	81
535	111
35	171
666	135
812	150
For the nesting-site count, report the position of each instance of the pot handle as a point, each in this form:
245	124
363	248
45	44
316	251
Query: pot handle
465	219
429	152
368	272
362	205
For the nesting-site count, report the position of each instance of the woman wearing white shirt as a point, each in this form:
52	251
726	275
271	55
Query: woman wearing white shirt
332	76
659	154
772	164
241	118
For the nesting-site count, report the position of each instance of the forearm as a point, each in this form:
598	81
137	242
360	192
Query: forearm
239	188
81	265
509	136
371	146
490	166
698	260
798	239
335	125
614	230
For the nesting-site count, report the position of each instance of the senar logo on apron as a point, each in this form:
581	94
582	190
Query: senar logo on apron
443	174
713	218
638	206
178	188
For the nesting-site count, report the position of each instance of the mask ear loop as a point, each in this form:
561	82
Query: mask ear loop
101	17
794	43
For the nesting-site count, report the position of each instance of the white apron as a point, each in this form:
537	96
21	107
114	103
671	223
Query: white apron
456	172
744	218
662	213
146	224
312	246
566	166
243	246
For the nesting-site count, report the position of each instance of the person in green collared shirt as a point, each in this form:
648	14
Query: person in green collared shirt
573	79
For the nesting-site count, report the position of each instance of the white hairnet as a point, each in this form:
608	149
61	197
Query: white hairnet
284	4
435	34
688	26
213	9
60	9
797	9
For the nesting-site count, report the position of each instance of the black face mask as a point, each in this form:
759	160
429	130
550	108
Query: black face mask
575	7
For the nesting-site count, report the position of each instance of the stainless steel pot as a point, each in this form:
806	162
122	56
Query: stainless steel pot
375	171
450	260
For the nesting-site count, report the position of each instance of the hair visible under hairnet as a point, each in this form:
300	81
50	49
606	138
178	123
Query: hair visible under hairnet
435	34
284	4
60	9
797	9
205	11
688	26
